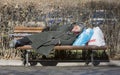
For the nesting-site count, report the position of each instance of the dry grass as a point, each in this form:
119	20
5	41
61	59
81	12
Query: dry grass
67	7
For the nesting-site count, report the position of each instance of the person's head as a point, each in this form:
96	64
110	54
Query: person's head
77	27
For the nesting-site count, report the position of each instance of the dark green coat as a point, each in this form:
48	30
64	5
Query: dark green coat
45	41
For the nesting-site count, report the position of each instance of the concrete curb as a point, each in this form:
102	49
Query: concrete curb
11	62
114	62
20	63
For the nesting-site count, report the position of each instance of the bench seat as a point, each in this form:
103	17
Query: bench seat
64	47
69	47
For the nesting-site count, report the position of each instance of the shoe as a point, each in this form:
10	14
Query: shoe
12	43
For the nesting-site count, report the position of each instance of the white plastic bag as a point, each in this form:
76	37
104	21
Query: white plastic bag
84	37
97	37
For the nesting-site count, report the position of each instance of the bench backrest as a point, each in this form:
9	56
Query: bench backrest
20	31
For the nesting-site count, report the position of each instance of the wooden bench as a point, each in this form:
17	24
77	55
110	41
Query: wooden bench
23	31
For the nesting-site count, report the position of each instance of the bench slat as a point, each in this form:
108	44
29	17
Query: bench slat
28	28
24	47
67	47
23	29
80	47
27	31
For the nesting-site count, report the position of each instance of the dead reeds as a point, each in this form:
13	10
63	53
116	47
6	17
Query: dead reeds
12	14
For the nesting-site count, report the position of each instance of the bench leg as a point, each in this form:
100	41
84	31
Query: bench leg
92	58
27	58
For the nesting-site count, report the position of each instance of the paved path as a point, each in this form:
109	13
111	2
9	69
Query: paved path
75	70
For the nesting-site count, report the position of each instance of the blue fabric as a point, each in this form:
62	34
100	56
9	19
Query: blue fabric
84	37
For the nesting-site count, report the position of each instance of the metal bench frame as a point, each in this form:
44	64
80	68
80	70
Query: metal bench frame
28	48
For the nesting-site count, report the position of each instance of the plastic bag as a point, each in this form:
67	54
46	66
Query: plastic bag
97	38
84	37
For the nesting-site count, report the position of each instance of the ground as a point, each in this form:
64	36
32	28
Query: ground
55	70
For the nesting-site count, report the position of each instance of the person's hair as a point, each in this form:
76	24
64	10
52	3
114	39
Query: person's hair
80	24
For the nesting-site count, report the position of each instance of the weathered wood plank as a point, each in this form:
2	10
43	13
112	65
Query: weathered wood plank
27	31
22	29
68	47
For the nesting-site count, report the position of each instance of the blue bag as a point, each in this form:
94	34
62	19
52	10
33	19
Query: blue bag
84	37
